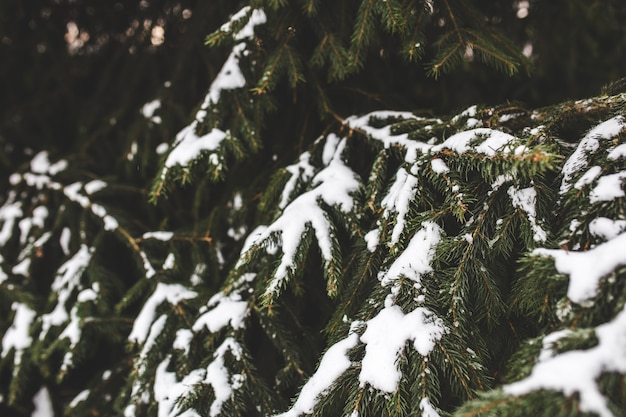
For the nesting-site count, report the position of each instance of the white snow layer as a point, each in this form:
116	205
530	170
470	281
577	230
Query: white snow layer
587	268
172	293
577	371
168	390
66	281
334	185
439	166
492	141
188	145
397	200
300	171
18	335
427	408
383	135
43	404
385	338
608	188
525	200
225	310
589	144
606	228
334	362
415	260
160	235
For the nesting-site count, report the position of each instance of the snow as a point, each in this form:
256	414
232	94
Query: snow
72	332
333	364
66	281
226	310
22	267
606	228
397	200
82	396
43	404
438	166
230	77
172	293
415	260
618	152
385	338
492	141
383	135
587	268
588	177
8	214
218	376
170	262
608	188
576	371
167	390
94	186
188	145
183	340
427	408
257	17
40	164
589	144
334	185
525	200
72	192
159	235
300	171
110	223
372	239
148	110
64	240
18	335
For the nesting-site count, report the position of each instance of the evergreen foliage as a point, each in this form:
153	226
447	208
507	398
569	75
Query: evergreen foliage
294	251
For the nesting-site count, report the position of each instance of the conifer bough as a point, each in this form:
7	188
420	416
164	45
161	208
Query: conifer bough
402	265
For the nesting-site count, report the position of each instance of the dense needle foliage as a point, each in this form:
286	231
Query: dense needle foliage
367	208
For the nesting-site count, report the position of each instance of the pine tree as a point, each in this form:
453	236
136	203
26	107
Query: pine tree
298	249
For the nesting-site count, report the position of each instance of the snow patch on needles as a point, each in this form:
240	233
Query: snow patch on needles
334	186
167	391
385	338
218	377
587	268
577	371
300	171
172	293
492	141
188	146
398	200
225	309
384	134
415	260
66	281
427	409
608	188
589	144
332	365
43	404
18	335
525	200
